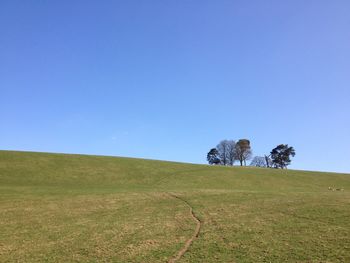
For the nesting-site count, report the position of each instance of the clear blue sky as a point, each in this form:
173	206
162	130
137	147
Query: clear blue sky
169	79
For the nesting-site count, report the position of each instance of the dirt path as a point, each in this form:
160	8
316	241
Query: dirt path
195	234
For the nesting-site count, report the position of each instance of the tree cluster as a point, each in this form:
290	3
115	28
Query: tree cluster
229	151
279	157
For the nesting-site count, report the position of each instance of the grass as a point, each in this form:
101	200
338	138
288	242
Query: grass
79	208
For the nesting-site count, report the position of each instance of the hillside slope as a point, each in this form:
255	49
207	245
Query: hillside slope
59	207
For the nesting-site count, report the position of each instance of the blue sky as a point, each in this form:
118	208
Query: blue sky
169	79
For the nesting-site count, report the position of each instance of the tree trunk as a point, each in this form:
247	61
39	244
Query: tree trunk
267	161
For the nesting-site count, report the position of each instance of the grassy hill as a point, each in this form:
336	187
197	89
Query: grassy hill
79	208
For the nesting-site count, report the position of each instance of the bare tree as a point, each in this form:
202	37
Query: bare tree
226	150
222	148
243	151
259	161
231	147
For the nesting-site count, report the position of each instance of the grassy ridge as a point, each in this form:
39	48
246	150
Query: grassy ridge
59	207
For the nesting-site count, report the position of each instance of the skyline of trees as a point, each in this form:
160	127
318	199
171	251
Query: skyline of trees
229	151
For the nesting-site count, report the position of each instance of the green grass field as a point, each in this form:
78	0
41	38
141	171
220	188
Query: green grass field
78	208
